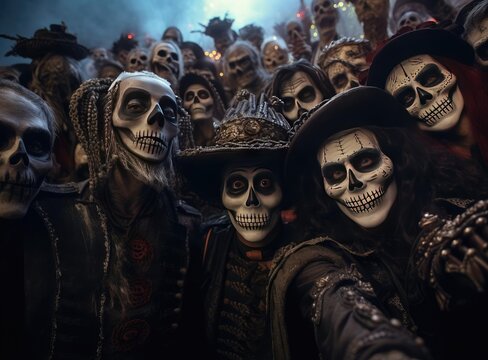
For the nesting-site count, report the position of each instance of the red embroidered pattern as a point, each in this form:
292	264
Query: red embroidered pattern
141	253
140	292
129	334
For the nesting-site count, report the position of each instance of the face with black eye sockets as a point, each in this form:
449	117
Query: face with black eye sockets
252	197
299	95
145	117
25	153
358	176
198	102
428	91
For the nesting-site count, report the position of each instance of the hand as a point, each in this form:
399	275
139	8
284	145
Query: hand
467	254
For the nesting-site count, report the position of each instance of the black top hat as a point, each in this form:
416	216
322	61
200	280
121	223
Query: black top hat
434	42
55	40
358	107
251	130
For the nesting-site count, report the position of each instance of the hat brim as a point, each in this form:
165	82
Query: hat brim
362	106
434	42
36	48
204	167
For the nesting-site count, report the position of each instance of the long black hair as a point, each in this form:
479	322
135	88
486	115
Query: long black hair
423	172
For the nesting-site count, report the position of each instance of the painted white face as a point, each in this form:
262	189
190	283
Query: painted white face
358	176
241	67
341	76
137	60
252	197
145	117
198	101
410	18
99	54
25	154
478	39
325	16
274	56
299	95
428	91
166	61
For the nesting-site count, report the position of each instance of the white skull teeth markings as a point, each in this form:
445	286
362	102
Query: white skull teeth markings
21	186
151	142
365	202
437	111
252	221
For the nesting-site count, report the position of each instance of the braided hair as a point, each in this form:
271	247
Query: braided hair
96	137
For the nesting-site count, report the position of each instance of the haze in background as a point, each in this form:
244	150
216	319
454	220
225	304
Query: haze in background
99	23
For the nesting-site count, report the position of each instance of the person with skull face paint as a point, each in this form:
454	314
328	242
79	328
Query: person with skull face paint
298	87
174	34
166	61
242	172
430	71
192	53
476	32
243	69
344	62
410	13
363	184
204	99
325	16
27	132
298	40
119	240
273	54
55	76
137	60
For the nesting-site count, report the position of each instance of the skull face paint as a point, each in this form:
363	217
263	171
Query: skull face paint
137	60
411	19
99	54
198	101
477	37
145	116
241	67
428	91
189	57
325	16
166	61
273	56
294	30
25	153
252	197
299	95
342	76
358	176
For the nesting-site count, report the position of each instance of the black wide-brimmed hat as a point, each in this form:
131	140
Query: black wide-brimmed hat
251	131
362	106
429	41
55	40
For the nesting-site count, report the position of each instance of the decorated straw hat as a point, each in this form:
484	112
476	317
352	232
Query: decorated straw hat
251	130
358	107
429	41
55	40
